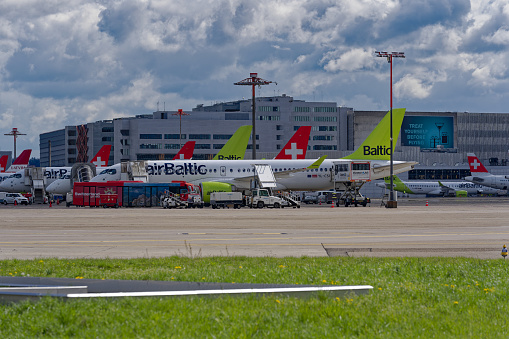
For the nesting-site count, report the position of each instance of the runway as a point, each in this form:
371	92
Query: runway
473	227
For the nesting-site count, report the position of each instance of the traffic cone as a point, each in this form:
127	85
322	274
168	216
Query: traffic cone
58	201
426	202
332	206
15	203
50	203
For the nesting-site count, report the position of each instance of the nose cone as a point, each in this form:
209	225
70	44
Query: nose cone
60	186
8	186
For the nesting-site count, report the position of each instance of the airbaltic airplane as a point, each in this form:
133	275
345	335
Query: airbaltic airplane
300	174
20	163
235	148
16	182
481	176
438	188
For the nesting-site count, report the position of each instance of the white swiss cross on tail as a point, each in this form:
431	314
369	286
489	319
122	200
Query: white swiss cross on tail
99	162
475	165
293	151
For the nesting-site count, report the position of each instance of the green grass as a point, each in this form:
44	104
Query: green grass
417	297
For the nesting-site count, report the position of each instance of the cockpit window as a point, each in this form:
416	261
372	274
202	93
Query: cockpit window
109	171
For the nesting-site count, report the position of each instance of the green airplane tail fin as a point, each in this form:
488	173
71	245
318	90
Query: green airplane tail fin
395	179
377	144
236	147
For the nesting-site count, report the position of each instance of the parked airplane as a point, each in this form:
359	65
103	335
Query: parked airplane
438	188
481	176
235	148
297	146
20	163
370	161
16	182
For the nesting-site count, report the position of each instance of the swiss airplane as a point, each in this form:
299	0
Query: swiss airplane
297	146
298	174
20	163
16	182
438	188
481	176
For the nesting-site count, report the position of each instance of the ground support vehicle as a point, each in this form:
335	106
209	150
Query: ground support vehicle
13	198
261	198
226	200
172	200
289	200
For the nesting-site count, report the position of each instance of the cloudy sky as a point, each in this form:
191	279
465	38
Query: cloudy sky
65	62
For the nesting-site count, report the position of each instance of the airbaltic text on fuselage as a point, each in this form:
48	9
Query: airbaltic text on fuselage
190	168
230	157
55	173
378	150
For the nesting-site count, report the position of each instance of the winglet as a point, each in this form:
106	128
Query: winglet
377	144
102	157
297	146
317	163
186	152
236	147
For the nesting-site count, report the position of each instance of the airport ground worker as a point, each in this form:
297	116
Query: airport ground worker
504	251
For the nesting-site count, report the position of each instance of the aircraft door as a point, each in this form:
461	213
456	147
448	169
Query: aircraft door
222	170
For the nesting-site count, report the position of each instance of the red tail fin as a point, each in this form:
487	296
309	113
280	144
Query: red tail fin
186	152
475	165
23	158
102	157
21	161
3	163
297	146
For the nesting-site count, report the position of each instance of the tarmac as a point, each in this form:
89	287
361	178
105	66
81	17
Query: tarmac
471	227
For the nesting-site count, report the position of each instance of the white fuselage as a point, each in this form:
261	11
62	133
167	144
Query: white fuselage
434	188
16	183
238	172
496	181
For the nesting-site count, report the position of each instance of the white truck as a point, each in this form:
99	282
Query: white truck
13	198
260	198
226	199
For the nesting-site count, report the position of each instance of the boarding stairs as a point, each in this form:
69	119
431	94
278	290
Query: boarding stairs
34	177
134	171
291	200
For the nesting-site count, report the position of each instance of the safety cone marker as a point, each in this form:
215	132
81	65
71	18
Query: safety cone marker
50	203
15	203
332	206
426	202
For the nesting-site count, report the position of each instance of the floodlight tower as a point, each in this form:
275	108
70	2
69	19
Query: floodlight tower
253	80
15	133
392	202
180	113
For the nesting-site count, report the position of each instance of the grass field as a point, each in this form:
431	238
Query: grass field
412	297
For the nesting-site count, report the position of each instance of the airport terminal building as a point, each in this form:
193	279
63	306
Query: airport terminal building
439	141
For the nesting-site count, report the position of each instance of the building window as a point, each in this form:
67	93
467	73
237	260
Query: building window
107	129
151	146
278	137
71	133
323	137
171	146
71	142
325	147
268	108
302	109
269	117
107	139
218	146
301	118
325	119
124	132
71	151
202	146
279	127
221	136
151	136
199	136
174	136
324	109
